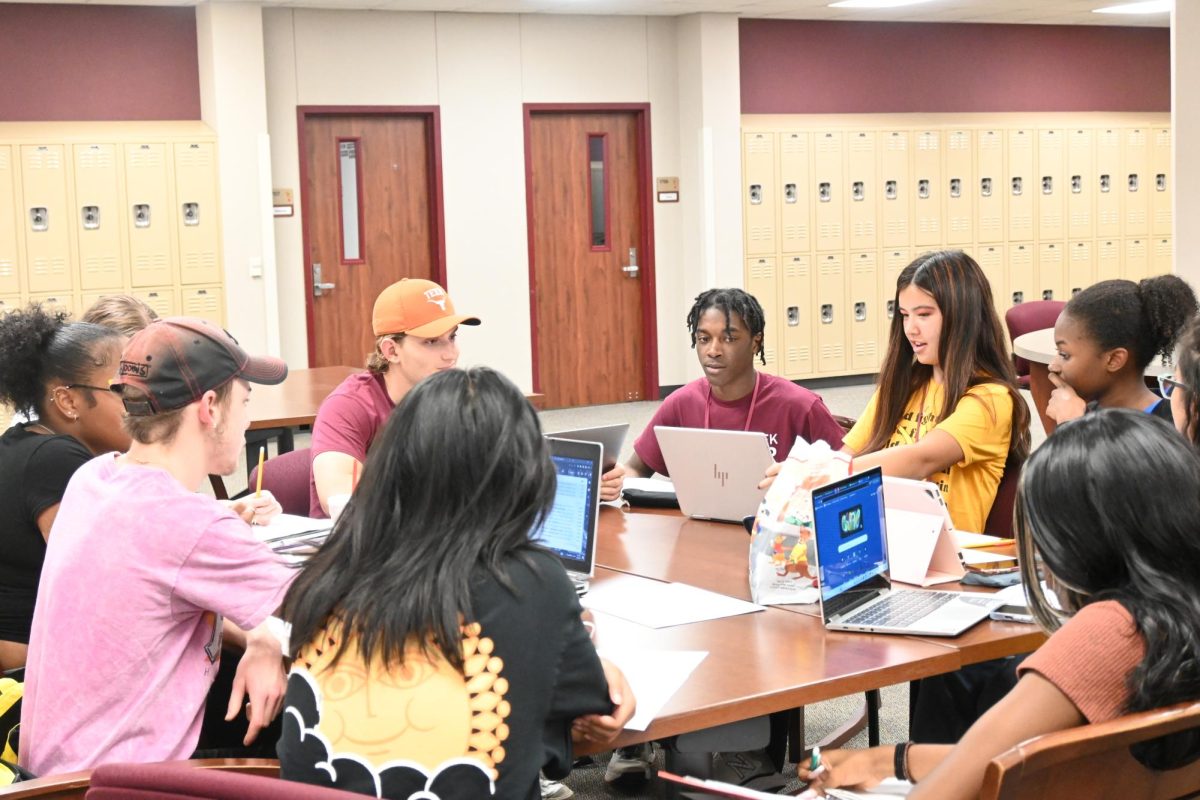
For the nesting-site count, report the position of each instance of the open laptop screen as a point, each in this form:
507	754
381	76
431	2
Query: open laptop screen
848	523
570	527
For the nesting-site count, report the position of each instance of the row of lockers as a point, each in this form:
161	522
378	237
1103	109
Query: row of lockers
821	190
98	216
193	301
830	314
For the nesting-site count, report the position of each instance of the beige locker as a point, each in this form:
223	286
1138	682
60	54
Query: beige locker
829	189
759	202
195	212
97	217
959	179
1081	186
863	312
9	303
1020	187
990	258
1136	182
762	281
6	418
896	189
1108	183
1160	188
45	218
927	189
797	319
1108	259
162	300
1137	259
89	299
1051	271
1021	285
1081	267
863	189
795	209
1160	260
1051	188
205	302
10	274
148	220
831	313
56	301
894	262
989	188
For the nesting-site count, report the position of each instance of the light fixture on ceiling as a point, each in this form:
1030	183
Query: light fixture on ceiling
1144	7
875	3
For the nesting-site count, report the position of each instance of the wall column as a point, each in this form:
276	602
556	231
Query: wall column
1185	138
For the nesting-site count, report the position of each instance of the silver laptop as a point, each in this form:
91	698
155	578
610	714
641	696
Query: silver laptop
716	473
610	437
850	529
570	528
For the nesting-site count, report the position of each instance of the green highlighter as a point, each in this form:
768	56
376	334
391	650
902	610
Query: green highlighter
816	759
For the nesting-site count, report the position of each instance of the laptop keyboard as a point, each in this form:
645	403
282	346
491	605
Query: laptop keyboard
898	609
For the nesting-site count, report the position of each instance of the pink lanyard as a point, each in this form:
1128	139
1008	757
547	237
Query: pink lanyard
749	415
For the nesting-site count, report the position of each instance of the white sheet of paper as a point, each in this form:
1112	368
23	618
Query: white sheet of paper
1013	595
661	605
965	539
650	485
980	557
890	787
654	675
282	631
286	525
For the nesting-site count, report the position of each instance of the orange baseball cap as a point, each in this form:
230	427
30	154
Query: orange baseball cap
417	307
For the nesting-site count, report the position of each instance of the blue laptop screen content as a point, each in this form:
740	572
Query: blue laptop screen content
849	534
565	530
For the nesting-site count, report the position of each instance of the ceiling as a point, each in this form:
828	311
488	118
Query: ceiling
1036	12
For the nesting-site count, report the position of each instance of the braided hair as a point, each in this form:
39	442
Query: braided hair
731	301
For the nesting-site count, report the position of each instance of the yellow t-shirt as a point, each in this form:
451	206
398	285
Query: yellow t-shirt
981	423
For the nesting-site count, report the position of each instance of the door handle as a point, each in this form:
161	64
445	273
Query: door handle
319	288
632	269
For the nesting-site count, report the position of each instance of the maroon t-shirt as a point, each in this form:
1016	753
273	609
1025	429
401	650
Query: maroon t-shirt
348	422
783	412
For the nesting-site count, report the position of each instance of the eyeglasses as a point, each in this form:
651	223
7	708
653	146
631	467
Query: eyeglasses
1167	384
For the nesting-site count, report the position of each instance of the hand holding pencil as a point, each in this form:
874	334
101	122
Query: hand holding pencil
261	507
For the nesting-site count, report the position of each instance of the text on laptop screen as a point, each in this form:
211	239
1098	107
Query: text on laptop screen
566	526
848	519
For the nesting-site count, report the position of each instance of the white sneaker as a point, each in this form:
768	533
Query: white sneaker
553	790
634	763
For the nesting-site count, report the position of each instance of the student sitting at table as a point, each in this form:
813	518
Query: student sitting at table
416	330
1179	388
727	328
1124	562
1106	337
143	576
439	652
124	313
56	374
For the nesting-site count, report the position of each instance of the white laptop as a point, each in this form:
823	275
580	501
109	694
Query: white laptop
610	437
850	529
715	473
921	546
570	528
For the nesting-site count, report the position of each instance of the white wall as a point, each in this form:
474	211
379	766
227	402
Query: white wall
1185	138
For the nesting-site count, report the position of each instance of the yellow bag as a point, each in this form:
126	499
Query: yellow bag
11	692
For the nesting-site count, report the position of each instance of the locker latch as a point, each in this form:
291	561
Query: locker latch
39	218
1047	294
793	316
860	312
1076	290
755	194
191	213
789	193
1133	182
824	192
891	309
923	188
1160	182
827	313
141	215
857	191
1018	298
889	190
1105	183
1076	184
1017	185
985	187
91	217
956	187
1047	184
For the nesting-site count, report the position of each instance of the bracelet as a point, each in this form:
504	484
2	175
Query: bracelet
900	762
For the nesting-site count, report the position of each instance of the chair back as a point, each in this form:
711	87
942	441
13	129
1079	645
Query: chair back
1000	519
286	476
216	779
1027	317
1093	761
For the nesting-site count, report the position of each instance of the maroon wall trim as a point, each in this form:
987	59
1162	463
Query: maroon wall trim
85	62
808	67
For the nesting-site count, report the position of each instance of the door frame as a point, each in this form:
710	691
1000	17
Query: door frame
641	113
437	214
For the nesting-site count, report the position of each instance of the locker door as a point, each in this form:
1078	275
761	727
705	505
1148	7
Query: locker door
1108	259
762	281
1135	182
989	189
990	258
204	302
797	319
1051	188
896	188
1081	185
831	305
1051	271
148	218
927	202
1019	187
1161	261
195	212
55	301
161	299
1160	191
863	190
1020	284
894	262
829	190
759	200
863	312
97	217
960	195
46	218
10	280
1108	182
796	204
1137	260
1081	267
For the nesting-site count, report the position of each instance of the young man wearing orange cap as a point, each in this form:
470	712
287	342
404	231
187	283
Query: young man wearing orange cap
416	331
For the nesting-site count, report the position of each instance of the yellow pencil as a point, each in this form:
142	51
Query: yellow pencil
262	455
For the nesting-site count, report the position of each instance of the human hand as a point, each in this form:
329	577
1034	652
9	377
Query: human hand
604	728
1064	404
769	475
853	768
259	682
611	483
257	510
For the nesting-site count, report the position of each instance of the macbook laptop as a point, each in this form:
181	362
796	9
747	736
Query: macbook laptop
570	528
610	437
850	529
715	473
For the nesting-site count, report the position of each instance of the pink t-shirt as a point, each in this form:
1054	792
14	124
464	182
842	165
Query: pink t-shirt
127	629
348	422
783	411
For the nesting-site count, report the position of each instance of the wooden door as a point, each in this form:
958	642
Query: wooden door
593	314
370	201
